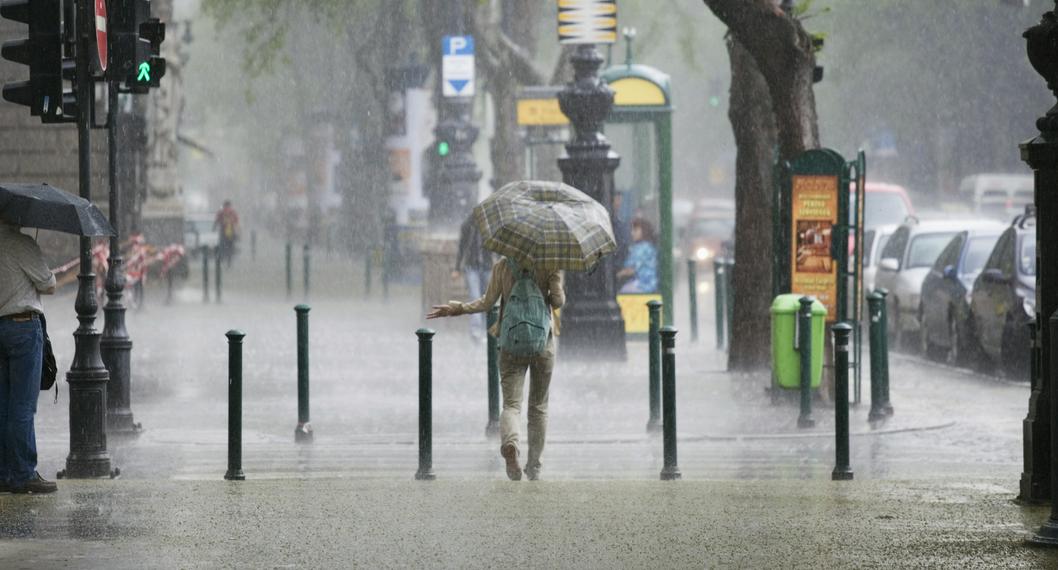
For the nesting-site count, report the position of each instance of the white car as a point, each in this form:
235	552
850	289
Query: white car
906	260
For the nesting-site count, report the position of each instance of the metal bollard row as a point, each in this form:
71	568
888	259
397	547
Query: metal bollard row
289	249
425	472
234	472
303	431
879	347
804	347
842	469
670	471
217	268
654	385
692	293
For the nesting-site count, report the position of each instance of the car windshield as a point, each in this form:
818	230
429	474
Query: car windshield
926	247
882	208
977	254
1027	255
711	228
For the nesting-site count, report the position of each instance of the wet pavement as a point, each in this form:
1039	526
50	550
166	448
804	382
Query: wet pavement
933	483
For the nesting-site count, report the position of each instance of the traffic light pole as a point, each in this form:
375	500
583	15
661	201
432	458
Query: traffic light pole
87	376
455	187
115	346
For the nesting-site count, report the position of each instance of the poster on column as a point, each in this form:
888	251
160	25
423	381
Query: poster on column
814	201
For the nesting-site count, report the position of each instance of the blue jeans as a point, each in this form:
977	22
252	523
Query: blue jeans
21	351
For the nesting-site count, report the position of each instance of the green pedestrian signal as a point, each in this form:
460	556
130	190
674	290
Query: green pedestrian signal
443	148
714	101
145	73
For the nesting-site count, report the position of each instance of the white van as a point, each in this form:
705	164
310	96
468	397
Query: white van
1000	196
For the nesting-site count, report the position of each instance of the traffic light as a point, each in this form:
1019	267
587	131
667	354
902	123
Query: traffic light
42	52
136	43
443	148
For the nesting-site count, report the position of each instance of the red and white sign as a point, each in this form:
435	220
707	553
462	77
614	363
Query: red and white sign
101	32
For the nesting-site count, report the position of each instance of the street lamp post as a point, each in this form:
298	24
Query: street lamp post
591	320
87	376
115	345
1041	154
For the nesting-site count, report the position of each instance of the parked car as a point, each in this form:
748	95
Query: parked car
874	240
883	204
946	294
198	232
709	231
1004	298
1000	196
906	260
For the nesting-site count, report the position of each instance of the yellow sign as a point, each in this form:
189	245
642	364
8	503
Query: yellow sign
815	213
633	91
587	21
635	312
540	113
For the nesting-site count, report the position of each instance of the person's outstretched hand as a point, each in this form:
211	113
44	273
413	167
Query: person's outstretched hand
439	311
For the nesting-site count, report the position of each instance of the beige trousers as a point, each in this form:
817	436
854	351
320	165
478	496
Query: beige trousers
512	379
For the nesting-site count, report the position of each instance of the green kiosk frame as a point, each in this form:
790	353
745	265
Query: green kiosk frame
643	111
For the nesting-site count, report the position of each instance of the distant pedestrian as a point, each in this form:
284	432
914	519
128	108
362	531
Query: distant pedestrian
474	264
24	276
227	226
526	331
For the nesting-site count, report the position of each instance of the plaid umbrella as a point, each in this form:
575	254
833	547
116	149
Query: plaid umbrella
545	225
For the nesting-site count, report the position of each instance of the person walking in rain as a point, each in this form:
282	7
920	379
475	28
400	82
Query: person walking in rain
227	225
518	289
24	276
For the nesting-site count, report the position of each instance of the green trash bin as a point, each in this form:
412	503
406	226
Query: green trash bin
785	359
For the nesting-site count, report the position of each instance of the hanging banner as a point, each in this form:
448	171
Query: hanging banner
814	209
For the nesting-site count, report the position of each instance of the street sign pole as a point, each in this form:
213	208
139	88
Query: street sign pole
456	175
87	376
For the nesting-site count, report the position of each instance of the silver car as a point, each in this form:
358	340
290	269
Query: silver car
906	260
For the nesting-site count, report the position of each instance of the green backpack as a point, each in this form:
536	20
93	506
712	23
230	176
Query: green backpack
526	323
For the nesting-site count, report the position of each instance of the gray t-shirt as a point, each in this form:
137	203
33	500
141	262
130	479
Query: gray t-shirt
23	272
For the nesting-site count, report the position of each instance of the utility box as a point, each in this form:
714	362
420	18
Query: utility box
785	358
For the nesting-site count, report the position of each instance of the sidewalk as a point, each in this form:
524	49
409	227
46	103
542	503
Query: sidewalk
933	484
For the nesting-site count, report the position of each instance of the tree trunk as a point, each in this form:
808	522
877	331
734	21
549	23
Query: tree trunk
772	105
755	132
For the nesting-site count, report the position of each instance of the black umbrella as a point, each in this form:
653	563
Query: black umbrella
48	208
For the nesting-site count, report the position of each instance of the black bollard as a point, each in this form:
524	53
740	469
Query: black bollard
692	287
654	384
216	265
804	347
492	429
718	295
303	431
425	472
842	470
305	256
205	274
253	245
729	301
883	385
290	269
670	471
235	406
875	308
